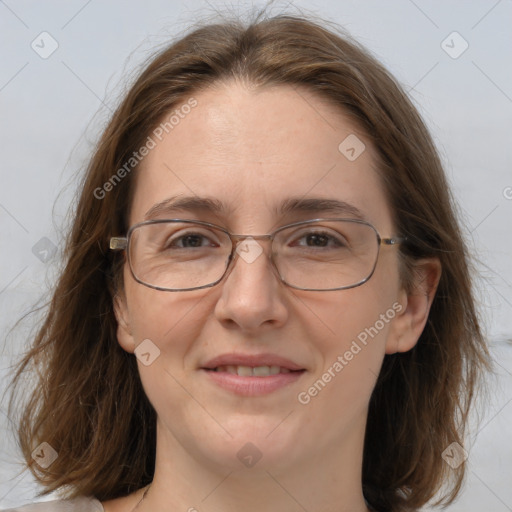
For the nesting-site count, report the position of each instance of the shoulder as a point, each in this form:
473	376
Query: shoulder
82	504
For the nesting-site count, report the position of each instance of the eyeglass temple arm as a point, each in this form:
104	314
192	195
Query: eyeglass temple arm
118	243
393	241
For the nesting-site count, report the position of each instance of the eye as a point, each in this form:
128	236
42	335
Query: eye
191	240
320	239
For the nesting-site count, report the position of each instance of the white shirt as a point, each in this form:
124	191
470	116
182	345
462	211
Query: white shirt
82	504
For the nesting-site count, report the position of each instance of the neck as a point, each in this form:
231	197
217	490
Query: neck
328	481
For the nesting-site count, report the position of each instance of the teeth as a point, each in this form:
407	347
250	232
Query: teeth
244	371
249	371
264	371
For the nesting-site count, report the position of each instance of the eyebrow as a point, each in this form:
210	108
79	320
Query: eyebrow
313	205
319	205
185	203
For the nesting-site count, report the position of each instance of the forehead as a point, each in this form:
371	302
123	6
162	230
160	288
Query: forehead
252	150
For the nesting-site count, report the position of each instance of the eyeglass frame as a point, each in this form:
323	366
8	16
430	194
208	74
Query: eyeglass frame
121	243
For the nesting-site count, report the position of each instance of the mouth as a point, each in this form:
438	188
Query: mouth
252	371
252	381
252	374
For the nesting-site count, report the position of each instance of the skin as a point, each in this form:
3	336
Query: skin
251	149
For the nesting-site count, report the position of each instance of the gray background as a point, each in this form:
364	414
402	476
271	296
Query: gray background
53	108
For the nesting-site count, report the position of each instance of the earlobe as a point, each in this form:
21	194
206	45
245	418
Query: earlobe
409	323
124	331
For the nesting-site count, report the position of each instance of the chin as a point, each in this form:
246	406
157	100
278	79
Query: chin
259	443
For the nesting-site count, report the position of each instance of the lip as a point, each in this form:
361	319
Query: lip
252	386
234	359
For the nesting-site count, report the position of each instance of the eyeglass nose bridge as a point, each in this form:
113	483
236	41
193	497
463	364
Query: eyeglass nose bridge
236	239
249	255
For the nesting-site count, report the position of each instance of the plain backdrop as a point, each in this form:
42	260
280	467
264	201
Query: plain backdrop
453	57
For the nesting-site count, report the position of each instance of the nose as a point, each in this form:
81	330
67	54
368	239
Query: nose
252	296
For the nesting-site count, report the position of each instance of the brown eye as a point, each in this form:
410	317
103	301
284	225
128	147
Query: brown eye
188	241
320	239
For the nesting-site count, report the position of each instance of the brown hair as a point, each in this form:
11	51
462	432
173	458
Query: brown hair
89	404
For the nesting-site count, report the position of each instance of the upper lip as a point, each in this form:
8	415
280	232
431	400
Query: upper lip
251	360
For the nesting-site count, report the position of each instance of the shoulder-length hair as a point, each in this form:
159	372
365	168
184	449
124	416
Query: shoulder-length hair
89	404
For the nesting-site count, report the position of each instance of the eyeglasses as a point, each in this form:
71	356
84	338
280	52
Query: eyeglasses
315	255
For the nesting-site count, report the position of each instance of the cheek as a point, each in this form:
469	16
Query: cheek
358	328
363	314
169	320
338	392
352	334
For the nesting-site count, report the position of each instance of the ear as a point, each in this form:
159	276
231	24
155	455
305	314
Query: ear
411	319
124	331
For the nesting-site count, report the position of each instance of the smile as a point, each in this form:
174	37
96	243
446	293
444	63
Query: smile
252	381
251	371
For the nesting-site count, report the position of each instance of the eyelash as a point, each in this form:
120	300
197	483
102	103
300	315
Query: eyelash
337	242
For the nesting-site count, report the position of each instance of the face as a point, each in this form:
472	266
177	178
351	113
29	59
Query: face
251	150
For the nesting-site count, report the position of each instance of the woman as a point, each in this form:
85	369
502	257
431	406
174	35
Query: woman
266	303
